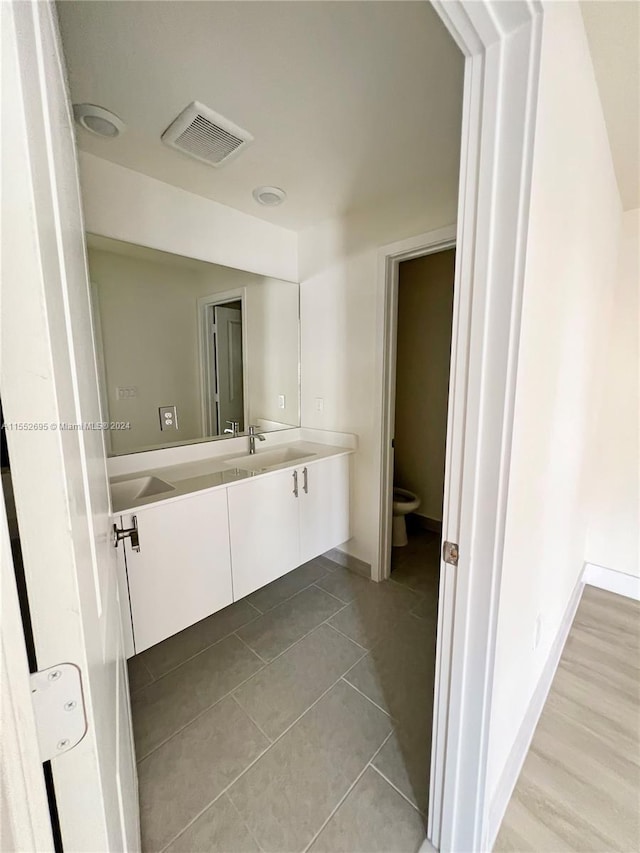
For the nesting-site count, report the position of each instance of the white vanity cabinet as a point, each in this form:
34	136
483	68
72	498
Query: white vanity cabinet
182	572
277	524
323	506
264	530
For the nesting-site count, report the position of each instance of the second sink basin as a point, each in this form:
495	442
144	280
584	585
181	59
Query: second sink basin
142	487
261	460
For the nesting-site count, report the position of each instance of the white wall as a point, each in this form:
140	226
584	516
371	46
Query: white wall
127	205
425	309
613	537
570	266
338	275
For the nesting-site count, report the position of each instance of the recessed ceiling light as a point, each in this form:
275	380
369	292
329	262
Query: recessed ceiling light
98	121
269	196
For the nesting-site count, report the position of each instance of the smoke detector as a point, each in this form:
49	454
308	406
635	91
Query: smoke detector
206	135
269	196
98	120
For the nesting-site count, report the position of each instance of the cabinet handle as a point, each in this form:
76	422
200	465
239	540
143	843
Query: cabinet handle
295	483
305	481
120	533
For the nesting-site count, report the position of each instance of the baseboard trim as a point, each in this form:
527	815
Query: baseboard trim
348	561
427	523
612	580
520	748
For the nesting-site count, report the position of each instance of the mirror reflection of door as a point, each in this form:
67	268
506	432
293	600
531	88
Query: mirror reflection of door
227	367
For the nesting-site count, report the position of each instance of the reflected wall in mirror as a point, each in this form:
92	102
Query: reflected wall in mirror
190	351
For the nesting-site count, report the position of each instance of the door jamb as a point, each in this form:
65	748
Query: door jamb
389	259
501	43
204	303
27	824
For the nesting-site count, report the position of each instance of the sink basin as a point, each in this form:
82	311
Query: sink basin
261	460
142	487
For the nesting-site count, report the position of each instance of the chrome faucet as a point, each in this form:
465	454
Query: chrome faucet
252	438
234	427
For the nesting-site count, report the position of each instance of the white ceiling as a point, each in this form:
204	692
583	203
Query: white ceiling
349	102
613	31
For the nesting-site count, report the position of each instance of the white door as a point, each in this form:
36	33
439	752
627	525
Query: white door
48	377
324	506
182	572
263	525
229	370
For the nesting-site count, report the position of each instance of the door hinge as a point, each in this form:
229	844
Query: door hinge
450	553
58	705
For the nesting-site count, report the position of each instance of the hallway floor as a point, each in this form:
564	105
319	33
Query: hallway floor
579	788
296	719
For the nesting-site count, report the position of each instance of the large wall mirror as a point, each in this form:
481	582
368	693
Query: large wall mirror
190	351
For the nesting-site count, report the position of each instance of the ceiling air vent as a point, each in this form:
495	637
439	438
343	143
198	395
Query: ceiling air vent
204	134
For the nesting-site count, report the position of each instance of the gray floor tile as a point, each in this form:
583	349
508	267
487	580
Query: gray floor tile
374	612
188	772
278	629
139	675
282	589
173	651
170	703
344	584
284	689
398	672
286	796
405	760
219	830
373	819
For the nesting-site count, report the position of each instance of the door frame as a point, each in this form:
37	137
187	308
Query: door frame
501	43
24	806
204	304
389	259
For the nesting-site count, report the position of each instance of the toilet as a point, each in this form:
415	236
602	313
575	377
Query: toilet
404	502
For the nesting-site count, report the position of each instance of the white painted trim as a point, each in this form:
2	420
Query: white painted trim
501	42
520	748
389	259
25	823
612	580
203	304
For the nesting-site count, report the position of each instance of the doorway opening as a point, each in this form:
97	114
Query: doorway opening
223	370
417	306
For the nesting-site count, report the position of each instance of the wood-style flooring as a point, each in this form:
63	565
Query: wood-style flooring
579	789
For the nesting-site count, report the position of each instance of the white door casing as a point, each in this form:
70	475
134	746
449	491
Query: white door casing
48	375
229	366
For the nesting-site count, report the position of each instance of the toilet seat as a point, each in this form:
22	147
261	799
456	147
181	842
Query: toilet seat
404	501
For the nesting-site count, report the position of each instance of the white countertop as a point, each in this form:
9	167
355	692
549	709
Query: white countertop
218	472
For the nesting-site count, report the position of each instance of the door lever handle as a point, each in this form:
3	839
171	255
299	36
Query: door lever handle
121	533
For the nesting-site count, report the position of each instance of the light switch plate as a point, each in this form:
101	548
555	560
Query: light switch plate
126	392
168	417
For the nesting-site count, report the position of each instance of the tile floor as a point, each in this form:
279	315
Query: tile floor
296	719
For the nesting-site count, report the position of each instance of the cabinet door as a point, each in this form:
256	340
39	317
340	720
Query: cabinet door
263	525
324	506
182	572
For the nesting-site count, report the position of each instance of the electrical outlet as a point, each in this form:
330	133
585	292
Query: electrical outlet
168	417
319	404
282	403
